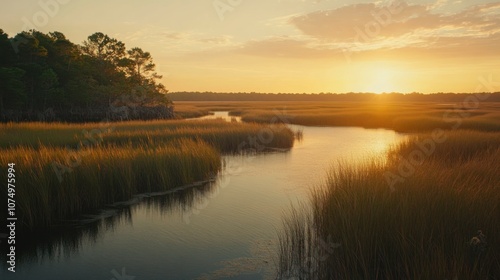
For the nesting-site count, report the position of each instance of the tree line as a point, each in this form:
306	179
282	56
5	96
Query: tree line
349	97
46	76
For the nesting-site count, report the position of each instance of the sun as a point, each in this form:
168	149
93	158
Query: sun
382	81
380	78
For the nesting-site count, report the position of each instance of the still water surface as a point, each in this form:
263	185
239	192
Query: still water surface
227	228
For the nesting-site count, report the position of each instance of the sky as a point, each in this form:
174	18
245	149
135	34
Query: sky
297	46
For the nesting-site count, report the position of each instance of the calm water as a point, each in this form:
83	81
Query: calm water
224	229
220	115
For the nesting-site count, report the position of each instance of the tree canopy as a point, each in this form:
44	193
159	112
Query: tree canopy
40	72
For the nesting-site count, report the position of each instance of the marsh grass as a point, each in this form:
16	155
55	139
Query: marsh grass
105	175
229	137
65	170
419	230
225	136
399	116
187	111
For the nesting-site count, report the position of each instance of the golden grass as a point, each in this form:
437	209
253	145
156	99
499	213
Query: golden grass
401	117
54	183
226	137
418	229
188	111
65	170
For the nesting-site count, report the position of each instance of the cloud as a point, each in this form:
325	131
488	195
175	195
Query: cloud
386	30
218	40
175	35
283	46
369	22
173	42
342	24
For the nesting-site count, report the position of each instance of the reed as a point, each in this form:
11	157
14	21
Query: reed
419	229
187	111
65	170
399	116
226	137
229	138
53	184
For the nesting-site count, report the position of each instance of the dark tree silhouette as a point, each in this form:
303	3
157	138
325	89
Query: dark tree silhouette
40	72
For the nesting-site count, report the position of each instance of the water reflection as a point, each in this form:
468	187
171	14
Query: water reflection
220	115
65	240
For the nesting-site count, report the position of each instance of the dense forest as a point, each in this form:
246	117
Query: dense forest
46	77
349	97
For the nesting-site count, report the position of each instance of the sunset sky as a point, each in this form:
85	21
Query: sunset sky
289	45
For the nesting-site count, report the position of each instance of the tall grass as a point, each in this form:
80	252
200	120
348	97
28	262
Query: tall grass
419	230
105	175
399	116
187	111
64	170
226	137
230	138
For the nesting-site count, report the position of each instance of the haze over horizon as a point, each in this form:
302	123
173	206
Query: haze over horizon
289	45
